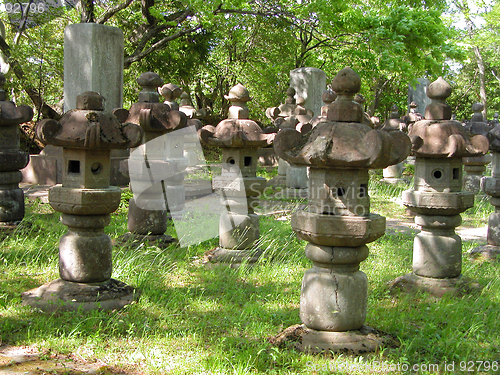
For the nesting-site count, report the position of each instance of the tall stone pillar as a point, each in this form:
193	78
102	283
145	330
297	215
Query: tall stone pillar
239	187
85	200
309	83
418	94
437	199
93	61
12	159
337	223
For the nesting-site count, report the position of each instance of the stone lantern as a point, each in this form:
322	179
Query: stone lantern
412	116
437	199
491	187
393	174
154	168
12	159
85	199
239	187
171	93
474	166
337	223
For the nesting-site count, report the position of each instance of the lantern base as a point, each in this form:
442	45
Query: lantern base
133	240
61	295
356	342
232	258
455	286
486	252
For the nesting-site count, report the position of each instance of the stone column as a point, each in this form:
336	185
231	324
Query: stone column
93	61
337	223
85	200
437	199
156	167
418	94
239	187
491	187
12	159
309	83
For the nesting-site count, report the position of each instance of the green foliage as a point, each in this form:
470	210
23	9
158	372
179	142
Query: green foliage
257	44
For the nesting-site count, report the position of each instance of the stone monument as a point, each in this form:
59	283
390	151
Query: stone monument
239	187
85	200
156	167
12	159
437	199
474	166
337	223
418	94
309	83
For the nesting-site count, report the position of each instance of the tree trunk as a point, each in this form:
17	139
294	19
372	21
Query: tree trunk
482	85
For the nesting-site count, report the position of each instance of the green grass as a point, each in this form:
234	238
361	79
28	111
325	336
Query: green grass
197	320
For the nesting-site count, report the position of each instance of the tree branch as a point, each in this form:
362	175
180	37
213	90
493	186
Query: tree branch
140	55
112	11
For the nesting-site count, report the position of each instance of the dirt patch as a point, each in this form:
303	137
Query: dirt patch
17	360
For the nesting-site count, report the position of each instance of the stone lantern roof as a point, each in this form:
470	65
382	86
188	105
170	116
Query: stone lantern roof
9	113
437	135
343	141
237	130
89	126
152	115
477	125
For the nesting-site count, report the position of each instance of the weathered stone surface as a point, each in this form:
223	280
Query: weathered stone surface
11	159
343	193
85	200
238	231
446	138
356	342
438	203
437	197
61	295
309	83
337	221
437	287
336	254
296	177
11	205
336	144
333	298
239	188
93	61
156	168
145	222
337	230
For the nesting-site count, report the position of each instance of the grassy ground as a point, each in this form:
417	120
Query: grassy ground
197	320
